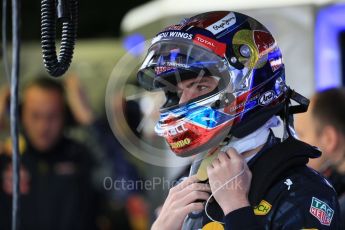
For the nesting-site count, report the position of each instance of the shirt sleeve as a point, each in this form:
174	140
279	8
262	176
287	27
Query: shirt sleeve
242	218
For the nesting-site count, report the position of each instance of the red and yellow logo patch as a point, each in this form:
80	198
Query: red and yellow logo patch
321	211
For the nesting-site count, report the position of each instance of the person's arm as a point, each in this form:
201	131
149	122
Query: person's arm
78	101
232	196
4	98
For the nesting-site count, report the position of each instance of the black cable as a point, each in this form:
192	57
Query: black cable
67	12
4	39
14	112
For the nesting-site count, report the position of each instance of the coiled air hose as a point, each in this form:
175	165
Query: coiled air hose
65	11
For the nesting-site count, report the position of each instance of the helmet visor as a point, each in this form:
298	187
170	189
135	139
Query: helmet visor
184	71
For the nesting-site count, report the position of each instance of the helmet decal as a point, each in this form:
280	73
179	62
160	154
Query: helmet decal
264	41
222	24
244	38
217	47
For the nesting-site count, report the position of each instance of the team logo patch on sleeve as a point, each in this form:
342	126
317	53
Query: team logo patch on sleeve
321	211
263	208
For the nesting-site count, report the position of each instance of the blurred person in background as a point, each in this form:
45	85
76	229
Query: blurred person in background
124	207
4	101
56	190
324	127
306	131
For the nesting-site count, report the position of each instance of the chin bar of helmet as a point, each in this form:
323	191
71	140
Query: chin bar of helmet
67	12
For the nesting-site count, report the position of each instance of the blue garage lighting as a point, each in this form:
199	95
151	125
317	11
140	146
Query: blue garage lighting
134	44
329	23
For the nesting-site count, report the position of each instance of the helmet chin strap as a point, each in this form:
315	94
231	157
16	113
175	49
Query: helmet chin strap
289	111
